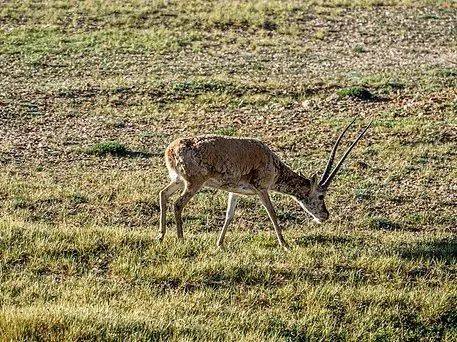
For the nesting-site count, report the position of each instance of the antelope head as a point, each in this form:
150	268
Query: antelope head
313	200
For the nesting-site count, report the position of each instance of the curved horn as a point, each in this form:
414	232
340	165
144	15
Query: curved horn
332	154
335	170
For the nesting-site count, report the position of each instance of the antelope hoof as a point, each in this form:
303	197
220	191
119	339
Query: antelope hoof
286	247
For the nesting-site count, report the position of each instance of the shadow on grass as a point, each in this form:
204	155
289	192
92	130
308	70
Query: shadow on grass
441	250
327	239
361	94
136	154
382	223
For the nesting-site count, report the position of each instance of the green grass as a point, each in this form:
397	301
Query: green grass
359	49
94	91
127	285
107	147
356	92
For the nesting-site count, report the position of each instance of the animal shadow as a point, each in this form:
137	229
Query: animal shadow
444	249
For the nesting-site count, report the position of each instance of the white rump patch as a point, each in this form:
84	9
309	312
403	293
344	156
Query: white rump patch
173	175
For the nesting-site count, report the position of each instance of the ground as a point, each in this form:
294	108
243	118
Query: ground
92	92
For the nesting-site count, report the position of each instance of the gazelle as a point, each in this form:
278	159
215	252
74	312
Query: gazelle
242	166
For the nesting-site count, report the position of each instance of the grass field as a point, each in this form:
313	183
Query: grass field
91	93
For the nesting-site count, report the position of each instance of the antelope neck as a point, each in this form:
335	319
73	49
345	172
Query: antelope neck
291	183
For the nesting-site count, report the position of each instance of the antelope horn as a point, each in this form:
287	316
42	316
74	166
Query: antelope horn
332	154
327	182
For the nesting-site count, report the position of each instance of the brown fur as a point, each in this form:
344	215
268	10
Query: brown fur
237	165
233	164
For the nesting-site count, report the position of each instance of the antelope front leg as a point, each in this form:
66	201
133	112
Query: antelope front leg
231	205
265	199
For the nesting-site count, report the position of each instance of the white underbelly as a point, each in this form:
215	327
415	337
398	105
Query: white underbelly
239	188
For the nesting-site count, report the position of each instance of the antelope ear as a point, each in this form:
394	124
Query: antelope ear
314	180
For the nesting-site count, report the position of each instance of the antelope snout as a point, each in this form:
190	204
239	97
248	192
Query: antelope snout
322	217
